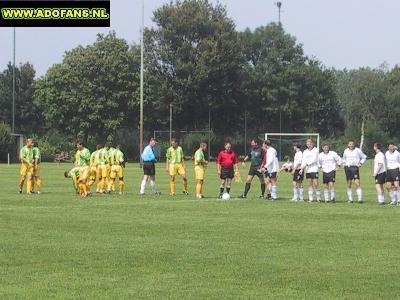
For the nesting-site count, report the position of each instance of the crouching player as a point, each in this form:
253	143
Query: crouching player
117	162
74	175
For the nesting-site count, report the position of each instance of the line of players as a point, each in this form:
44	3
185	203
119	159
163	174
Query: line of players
105	164
265	165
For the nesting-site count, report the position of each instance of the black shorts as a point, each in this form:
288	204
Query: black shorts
329	177
392	175
352	173
227	173
312	175
253	171
149	168
270	175
297	177
380	178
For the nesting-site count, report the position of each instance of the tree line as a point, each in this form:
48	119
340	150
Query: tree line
198	62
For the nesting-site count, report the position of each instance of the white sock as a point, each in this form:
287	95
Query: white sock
333	194
318	192
301	194
350	194
381	197
359	194
392	195
310	194
295	193
326	195
143	186
274	194
269	187
153	186
398	196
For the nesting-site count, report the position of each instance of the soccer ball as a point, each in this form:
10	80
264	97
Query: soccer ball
226	196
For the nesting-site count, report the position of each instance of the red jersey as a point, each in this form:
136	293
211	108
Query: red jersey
227	159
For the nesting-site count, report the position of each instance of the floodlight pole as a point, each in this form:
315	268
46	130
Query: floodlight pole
209	132
170	122
141	84
13	86
279	5
245	130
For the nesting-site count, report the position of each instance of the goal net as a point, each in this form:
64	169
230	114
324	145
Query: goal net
283	142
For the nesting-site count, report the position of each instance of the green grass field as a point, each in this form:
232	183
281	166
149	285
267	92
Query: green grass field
59	246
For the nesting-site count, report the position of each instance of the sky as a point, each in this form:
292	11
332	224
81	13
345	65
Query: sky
340	33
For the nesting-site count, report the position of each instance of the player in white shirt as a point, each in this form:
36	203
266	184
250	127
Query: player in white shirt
310	164
287	166
329	161
352	159
271	167
298	192
393	174
379	173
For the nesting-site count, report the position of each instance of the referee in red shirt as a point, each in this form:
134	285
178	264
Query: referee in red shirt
227	161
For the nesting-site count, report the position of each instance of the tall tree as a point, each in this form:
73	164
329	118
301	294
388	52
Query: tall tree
93	92
282	80
194	61
27	118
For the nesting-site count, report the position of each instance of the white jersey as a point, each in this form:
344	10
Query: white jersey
297	160
353	157
329	161
392	159
310	160
272	164
379	160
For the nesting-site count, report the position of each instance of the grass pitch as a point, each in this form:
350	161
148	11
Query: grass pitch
57	245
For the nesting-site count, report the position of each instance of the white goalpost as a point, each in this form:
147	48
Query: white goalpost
294	137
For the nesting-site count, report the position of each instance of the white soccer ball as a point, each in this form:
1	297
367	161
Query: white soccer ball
226	196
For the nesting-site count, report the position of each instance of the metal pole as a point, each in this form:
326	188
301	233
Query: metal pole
279	5
141	82
13	87
170	122
209	132
245	131
280	132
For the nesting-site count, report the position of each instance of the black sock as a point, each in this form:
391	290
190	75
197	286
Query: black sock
228	189
221	190
247	188
262	189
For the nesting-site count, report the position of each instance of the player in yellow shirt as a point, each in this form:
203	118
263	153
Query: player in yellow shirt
36	178
175	165
110	151
117	162
94	161
200	164
74	175
82	160
26	170
102	168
